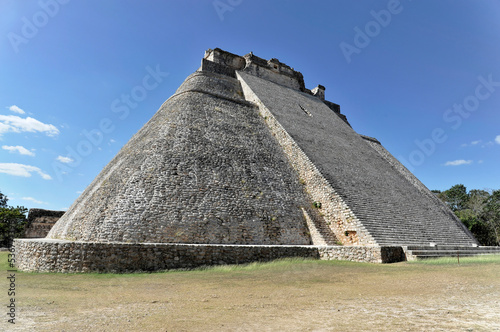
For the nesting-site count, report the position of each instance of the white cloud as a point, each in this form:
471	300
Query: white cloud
65	160
471	143
31	199
4	128
497	139
458	162
20	149
16	109
22	170
16	124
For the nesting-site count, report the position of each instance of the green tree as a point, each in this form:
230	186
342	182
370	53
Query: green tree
473	216
478	226
12	222
477	209
491	214
3	200
456	197
477	200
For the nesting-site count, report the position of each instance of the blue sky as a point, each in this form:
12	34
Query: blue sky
79	78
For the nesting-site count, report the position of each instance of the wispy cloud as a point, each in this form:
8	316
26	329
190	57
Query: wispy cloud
16	109
471	143
31	199
65	160
18	148
458	162
497	139
4	128
22	170
16	124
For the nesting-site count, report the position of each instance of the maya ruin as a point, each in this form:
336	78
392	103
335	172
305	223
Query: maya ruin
244	163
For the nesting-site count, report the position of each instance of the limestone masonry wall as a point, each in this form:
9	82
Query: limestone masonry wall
272	70
204	169
45	255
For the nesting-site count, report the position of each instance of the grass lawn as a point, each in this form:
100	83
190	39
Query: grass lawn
285	295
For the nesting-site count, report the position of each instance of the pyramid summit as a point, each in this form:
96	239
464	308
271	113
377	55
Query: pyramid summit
244	163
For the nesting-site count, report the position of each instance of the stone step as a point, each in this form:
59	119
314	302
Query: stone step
409	236
321	234
451	252
450	247
420	257
423	252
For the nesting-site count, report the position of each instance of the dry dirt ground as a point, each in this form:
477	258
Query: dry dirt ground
279	296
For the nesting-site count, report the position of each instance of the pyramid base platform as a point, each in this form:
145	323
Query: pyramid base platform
48	255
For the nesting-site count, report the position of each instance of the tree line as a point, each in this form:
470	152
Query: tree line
13	221
479	210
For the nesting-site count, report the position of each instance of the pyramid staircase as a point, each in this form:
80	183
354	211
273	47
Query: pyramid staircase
321	234
417	252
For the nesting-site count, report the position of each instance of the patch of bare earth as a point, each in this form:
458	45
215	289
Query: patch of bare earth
292	296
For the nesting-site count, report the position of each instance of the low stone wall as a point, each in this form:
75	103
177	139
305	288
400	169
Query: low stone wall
47	255
371	254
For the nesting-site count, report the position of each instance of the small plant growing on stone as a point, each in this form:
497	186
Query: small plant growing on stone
317	205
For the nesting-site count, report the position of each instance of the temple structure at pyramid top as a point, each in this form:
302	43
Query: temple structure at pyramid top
245	163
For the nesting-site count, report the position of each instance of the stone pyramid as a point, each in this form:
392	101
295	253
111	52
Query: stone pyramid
244	163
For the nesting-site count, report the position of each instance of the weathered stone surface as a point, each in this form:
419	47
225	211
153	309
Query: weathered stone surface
204	169
367	197
40	222
46	255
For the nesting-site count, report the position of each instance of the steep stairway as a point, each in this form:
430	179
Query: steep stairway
426	252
